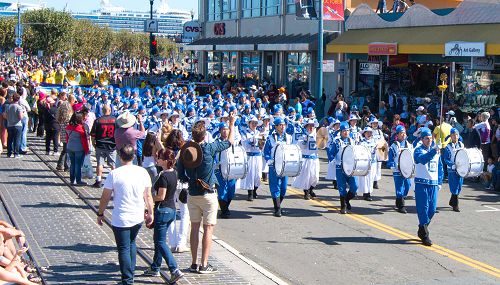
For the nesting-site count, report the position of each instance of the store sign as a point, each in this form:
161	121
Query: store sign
191	31
342	68
333	10
483	63
382	49
220	29
465	49
400	60
368	68
328	65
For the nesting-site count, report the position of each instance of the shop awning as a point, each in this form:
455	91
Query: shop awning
418	40
300	42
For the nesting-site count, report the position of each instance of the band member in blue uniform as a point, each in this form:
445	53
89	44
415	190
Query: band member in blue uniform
277	185
454	180
402	184
333	133
342	179
428	181
225	188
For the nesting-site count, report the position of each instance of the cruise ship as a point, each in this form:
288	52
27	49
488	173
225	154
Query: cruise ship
170	21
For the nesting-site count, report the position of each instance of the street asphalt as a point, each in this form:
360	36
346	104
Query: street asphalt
313	244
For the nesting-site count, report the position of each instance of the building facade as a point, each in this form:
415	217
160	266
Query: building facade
262	40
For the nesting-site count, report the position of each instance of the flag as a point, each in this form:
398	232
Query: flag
333	10
305	9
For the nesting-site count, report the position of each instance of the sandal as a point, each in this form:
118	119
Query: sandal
22	250
29	269
33	278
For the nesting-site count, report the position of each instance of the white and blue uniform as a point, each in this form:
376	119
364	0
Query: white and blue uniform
377	136
366	182
254	159
179	126
309	174
428	179
225	188
342	179
402	184
355	133
455	181
277	185
332	172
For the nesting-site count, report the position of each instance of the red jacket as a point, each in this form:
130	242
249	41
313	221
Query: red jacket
83	136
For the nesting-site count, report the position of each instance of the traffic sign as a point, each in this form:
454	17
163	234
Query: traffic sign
19	41
151	26
18	51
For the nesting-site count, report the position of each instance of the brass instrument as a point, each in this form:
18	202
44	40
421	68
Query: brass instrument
73	77
261	140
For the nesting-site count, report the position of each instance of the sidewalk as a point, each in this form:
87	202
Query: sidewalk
62	232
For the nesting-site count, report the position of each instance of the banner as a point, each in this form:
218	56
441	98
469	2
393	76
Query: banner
304	9
333	10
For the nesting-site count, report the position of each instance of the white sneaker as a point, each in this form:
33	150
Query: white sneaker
181	249
56	153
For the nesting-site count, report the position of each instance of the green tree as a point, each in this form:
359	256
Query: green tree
7	36
51	31
90	41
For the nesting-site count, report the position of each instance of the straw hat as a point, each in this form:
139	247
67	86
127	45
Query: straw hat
125	120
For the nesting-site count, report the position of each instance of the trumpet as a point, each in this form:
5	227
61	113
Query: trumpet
261	140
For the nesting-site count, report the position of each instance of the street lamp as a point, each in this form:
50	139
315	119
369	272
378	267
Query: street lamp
152	64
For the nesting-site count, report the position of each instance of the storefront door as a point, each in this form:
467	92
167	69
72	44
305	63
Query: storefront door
270	66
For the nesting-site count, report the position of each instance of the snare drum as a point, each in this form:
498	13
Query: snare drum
356	160
233	163
469	162
406	163
287	160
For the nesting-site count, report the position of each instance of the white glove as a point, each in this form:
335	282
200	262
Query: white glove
453	167
439	187
270	162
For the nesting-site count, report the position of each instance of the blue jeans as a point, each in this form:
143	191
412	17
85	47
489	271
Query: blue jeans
75	168
163	218
127	251
14	140
24	134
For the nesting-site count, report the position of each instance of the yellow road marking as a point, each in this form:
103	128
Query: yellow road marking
408	237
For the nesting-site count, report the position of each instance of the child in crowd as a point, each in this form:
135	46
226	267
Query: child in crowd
487	176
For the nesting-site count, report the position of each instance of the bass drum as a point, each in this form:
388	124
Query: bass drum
356	160
287	160
233	163
469	162
406	163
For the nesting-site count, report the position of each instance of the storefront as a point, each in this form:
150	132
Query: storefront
409	62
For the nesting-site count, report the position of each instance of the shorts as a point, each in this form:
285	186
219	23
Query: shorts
103	154
203	207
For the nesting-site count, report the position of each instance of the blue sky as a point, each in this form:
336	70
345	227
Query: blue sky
88	5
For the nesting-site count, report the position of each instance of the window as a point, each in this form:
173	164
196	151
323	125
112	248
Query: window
214	10
222	63
298	68
250	64
291	8
272	7
221	10
229	9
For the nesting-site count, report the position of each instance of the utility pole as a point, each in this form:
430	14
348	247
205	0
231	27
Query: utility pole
18	40
151	61
320	58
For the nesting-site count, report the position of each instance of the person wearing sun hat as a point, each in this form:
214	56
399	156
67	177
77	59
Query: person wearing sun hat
366	182
126	133
251	138
354	130
342	179
309	173
402	184
428	181
277	185
377	136
454	180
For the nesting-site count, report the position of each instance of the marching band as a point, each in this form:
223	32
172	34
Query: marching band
285	146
